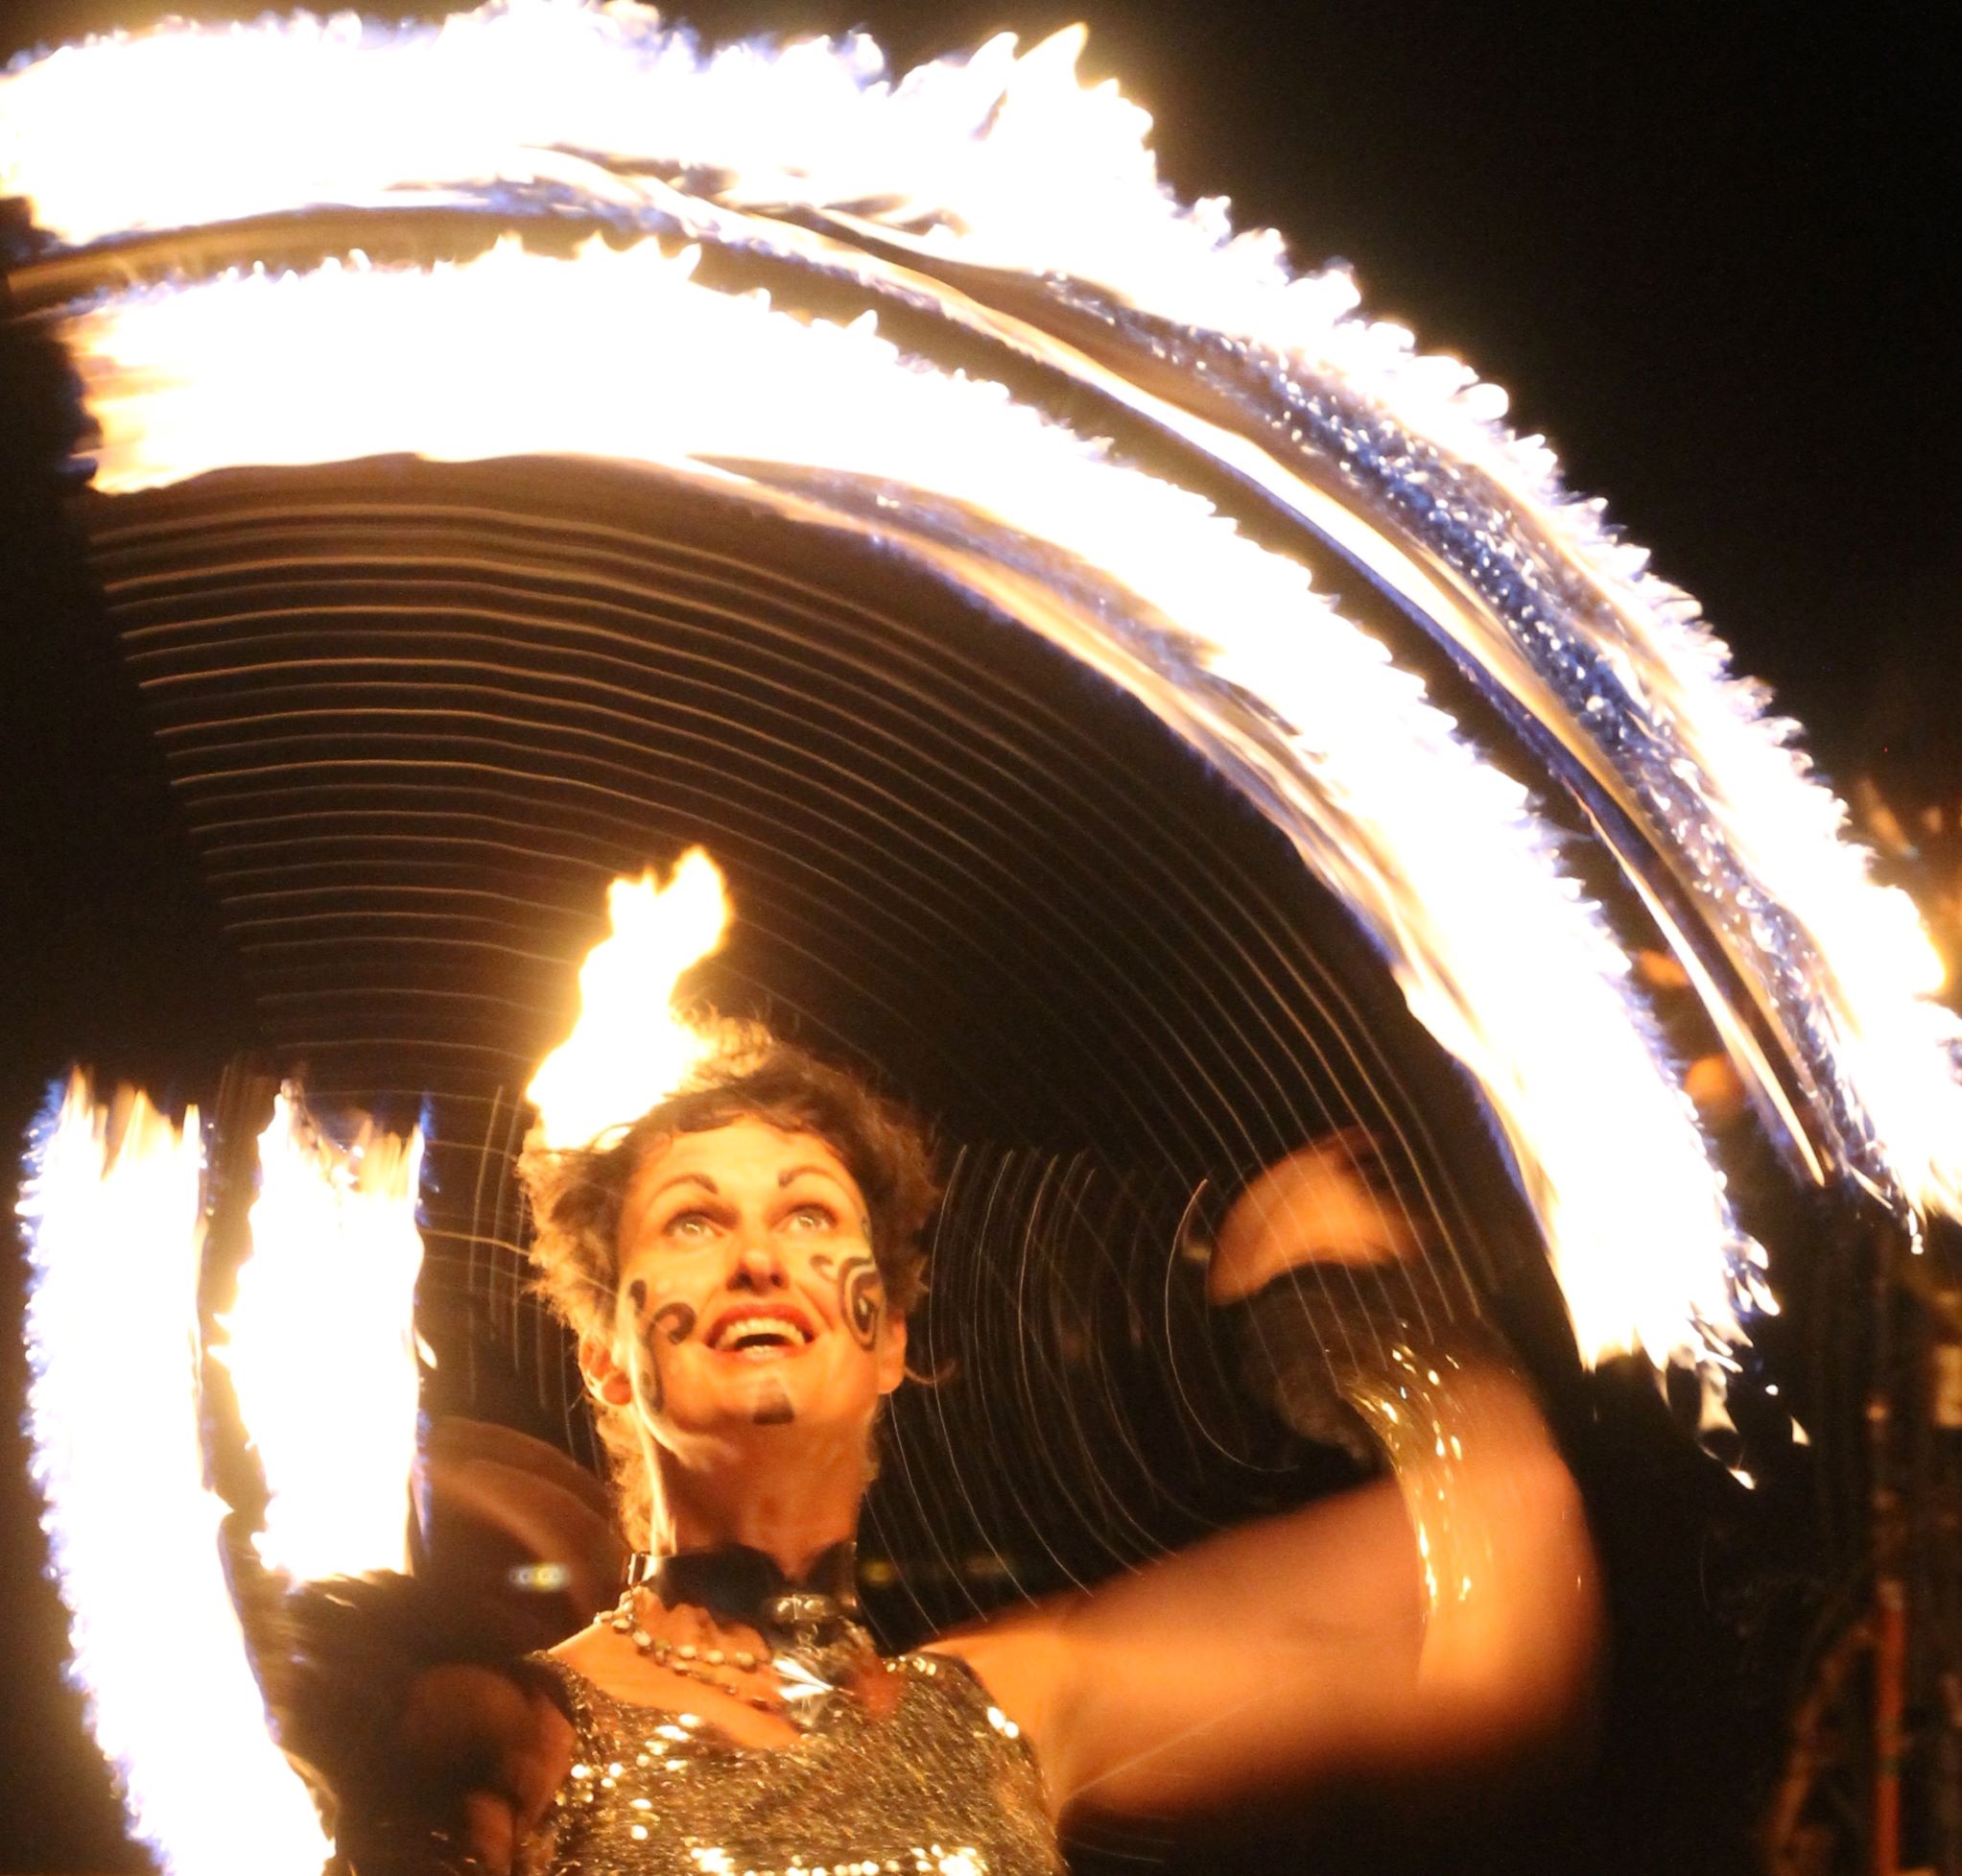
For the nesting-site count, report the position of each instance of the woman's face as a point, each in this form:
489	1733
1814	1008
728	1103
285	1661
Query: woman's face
748	1293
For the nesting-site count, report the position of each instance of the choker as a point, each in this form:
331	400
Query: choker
738	1585
810	1625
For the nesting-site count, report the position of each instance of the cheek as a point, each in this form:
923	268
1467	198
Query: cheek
671	1323
861	1295
652	1321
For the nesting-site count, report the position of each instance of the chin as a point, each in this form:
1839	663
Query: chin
770	1407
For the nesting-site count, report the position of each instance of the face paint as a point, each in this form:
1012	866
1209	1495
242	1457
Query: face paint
719	1218
860	1296
647	1375
675	1322
773	1407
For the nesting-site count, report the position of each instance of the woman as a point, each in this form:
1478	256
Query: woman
738	1270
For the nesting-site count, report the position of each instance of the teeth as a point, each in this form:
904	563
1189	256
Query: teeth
771	1330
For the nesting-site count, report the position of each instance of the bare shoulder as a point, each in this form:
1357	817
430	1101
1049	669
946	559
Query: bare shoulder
1022	1658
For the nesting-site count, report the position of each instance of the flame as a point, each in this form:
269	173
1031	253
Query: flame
999	157
1003	158
321	1344
115	1232
628	1049
1006	160
1384	800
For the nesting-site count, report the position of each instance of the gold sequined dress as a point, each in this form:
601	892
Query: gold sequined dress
940	1785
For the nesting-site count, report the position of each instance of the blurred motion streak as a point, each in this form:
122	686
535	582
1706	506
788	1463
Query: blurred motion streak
1006	161
1379	793
114	1234
321	1347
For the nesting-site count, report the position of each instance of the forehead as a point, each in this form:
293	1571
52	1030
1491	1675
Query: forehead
744	1155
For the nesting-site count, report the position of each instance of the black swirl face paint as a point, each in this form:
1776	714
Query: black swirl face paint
646	1374
860	1296
675	1322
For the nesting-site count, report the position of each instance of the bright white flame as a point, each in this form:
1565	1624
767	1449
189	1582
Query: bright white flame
1423	839
115	1232
628	1049
1880	976
999	159
321	1344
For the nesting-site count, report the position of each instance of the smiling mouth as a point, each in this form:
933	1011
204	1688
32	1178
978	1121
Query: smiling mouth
759	1338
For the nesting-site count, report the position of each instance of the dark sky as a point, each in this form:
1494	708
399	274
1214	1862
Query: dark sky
1699	245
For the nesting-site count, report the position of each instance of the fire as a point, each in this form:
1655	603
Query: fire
321	1344
628	1049
1006	160
1383	798
114	1231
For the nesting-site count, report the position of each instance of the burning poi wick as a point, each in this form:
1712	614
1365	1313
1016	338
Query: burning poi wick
628	1049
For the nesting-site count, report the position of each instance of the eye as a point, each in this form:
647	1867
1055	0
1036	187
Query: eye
691	1227
810	1216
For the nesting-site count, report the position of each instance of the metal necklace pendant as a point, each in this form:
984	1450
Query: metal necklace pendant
813	1671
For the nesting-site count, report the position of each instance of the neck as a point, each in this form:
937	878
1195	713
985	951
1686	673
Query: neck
792	1510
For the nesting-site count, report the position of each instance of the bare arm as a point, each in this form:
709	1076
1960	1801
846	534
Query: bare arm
1443	1621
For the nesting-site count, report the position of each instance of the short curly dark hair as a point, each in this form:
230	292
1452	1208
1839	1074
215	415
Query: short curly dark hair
577	1196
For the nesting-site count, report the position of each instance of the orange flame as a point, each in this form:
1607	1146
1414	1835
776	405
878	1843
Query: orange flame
629	1048
115	1232
321	1344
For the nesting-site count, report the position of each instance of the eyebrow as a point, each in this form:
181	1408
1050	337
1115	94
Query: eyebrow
791	1173
701	1179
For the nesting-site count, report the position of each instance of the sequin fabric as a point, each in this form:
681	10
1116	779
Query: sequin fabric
941	1784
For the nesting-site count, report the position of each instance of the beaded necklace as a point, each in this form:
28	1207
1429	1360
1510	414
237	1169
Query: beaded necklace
809	1626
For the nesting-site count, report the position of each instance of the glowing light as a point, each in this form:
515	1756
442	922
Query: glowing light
1384	800
1006	160
628	1049
321	1344
114	1233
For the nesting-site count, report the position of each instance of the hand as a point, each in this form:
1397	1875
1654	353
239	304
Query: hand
1325	1202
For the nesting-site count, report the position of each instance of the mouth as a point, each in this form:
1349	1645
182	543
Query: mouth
760	1335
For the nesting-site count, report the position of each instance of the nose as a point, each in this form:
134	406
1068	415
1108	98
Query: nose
760	1267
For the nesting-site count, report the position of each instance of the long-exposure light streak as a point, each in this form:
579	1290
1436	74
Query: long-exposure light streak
1006	160
1386	801
115	1232
321	1344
